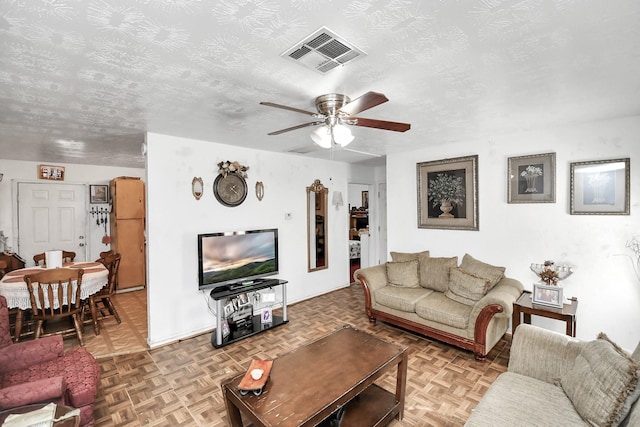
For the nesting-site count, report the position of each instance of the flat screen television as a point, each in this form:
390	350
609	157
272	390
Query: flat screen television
235	257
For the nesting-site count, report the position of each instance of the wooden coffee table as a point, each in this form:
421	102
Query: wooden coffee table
310	383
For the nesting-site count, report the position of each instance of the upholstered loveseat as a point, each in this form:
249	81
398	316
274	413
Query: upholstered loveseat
39	371
468	306
555	380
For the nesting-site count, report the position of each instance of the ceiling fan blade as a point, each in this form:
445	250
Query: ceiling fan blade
364	102
284	107
381	124
278	132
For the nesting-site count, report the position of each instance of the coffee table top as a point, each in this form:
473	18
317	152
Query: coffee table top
309	383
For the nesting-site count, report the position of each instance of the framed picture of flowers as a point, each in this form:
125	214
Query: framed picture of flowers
600	187
448	193
532	179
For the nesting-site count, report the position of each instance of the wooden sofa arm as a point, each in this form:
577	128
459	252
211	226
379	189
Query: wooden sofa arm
371	278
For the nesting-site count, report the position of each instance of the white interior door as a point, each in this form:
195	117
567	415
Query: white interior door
51	216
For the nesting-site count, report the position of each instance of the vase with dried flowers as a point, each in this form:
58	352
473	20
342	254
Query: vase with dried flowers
446	190
227	167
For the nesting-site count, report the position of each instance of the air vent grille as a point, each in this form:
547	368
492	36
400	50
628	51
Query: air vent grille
323	51
303	150
299	53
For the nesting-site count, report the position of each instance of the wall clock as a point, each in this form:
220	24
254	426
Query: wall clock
230	189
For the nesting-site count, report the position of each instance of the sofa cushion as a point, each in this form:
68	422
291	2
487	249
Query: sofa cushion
434	272
407	256
466	288
481	269
403	299
603	382
436	307
515	400
403	274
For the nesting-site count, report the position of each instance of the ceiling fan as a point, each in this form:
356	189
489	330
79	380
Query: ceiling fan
334	112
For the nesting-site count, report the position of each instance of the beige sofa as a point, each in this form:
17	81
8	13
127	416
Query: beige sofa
555	380
468	306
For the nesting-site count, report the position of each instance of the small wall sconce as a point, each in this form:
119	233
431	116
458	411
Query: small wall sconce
337	199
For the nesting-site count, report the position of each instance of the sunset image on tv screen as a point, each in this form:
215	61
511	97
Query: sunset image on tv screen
237	256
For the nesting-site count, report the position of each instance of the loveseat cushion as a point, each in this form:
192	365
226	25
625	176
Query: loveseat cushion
438	308
466	288
434	272
403	274
515	400
482	269
403	299
603	382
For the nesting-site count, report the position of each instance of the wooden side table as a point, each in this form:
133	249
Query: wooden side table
524	305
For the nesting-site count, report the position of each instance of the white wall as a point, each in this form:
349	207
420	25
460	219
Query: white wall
174	218
22	171
515	235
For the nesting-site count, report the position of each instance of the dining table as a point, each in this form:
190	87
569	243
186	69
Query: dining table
14	288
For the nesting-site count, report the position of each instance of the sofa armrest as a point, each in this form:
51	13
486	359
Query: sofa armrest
23	354
371	278
45	390
542	354
375	277
504	294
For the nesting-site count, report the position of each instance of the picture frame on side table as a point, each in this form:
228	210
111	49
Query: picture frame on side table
547	295
448	193
600	187
532	178
98	194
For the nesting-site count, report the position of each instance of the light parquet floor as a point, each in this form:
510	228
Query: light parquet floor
179	384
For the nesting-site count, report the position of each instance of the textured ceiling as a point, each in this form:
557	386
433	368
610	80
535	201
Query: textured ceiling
99	73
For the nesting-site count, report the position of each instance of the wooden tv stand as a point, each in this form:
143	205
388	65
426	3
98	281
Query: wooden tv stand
256	327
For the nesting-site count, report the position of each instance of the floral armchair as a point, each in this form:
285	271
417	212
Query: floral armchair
40	371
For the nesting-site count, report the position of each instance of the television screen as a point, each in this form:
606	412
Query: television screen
236	257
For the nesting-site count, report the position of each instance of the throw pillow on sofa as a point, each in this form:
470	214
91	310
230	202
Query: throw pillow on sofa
466	288
407	256
602	383
481	269
403	274
434	272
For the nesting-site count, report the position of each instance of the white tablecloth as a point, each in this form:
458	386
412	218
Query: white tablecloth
15	291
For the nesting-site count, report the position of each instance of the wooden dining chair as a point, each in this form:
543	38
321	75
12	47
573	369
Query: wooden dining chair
67	256
104	254
3	268
53	297
100	304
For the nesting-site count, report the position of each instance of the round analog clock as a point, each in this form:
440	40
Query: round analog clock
230	190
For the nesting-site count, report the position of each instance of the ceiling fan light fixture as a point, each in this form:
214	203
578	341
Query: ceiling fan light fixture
322	136
342	135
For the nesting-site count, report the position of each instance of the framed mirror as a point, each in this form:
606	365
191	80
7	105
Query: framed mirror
317	247
197	187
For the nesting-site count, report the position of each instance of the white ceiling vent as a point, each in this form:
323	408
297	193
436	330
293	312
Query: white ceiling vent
323	51
302	150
